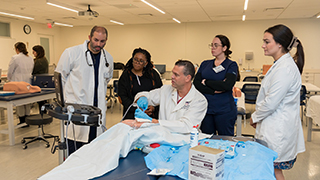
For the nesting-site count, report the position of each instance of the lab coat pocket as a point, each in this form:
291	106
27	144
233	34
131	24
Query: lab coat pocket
106	77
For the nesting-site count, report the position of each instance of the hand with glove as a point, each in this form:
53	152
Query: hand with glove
142	103
140	116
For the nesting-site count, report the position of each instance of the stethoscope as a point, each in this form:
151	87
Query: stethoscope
104	54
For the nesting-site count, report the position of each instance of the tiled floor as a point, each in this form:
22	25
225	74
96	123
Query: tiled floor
36	160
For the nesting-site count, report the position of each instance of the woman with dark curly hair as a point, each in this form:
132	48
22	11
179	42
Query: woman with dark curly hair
138	76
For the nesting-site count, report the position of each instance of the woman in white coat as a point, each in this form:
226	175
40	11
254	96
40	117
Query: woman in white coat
20	69
276	119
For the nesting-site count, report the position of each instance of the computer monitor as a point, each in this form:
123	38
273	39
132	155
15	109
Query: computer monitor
161	68
58	88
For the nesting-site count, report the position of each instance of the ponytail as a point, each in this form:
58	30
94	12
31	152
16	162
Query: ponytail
299	56
21	47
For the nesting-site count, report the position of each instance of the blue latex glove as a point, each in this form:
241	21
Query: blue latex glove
140	114
143	103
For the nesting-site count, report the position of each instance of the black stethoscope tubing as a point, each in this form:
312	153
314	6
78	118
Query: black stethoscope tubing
104	54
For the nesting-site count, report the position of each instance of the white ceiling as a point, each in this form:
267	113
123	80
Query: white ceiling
136	12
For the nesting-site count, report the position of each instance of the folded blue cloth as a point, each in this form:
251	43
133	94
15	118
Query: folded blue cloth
252	161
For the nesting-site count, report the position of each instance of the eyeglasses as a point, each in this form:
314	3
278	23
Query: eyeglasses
138	61
215	45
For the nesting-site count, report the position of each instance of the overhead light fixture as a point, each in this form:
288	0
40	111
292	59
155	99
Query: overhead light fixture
246	5
116	22
62	24
153	6
243	17
318	16
15	15
176	20
62	7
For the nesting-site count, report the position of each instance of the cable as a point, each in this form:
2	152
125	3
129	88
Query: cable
134	105
74	137
70	111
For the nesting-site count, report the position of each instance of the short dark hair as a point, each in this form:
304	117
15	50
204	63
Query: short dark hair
188	67
99	29
39	50
225	42
21	47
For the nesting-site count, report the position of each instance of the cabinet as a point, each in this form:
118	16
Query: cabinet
307	77
311	76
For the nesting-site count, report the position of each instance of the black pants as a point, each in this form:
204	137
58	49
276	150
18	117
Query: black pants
71	143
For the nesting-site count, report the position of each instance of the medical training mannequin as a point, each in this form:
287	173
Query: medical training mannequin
276	118
181	108
138	76
215	80
20	69
86	70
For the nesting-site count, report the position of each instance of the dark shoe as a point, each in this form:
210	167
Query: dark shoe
25	126
22	119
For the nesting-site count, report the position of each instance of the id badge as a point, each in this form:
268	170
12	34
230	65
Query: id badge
218	69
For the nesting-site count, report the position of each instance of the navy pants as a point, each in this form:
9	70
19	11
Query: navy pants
221	124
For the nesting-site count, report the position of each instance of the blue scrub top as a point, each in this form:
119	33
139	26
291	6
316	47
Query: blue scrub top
219	103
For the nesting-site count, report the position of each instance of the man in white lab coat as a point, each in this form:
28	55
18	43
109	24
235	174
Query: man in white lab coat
181	105
86	70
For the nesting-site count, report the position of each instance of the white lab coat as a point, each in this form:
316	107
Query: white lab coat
78	83
277	110
179	118
20	68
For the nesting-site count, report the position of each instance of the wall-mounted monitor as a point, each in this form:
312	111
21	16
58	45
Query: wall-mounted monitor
161	68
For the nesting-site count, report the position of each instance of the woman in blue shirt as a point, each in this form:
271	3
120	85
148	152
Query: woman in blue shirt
215	80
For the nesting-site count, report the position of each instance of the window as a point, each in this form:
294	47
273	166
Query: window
4	29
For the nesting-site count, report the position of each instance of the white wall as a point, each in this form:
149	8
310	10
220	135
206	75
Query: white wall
17	34
169	42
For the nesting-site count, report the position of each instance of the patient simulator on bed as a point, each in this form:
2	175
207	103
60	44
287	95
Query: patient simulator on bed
173	128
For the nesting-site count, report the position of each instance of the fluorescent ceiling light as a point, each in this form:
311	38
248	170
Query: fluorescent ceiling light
243	17
14	15
153	6
61	24
62	7
246	5
116	22
318	16
176	20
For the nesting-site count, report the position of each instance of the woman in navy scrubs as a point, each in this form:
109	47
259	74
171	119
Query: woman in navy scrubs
215	80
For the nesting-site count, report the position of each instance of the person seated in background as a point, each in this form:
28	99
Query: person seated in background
41	64
181	108
138	76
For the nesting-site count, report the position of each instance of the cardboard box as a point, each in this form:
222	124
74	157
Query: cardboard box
206	163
